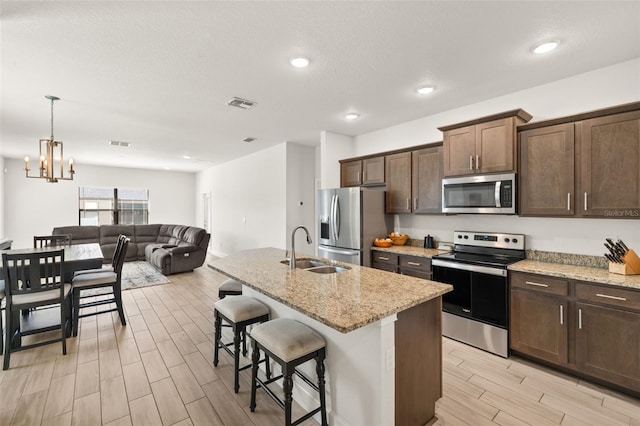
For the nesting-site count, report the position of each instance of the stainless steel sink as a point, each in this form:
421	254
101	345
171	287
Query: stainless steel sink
328	269
316	266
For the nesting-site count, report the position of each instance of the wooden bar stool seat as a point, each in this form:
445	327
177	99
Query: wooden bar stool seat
289	343
238	312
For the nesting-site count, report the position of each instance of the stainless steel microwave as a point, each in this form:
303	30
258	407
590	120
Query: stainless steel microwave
489	194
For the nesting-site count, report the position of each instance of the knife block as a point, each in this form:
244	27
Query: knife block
631	265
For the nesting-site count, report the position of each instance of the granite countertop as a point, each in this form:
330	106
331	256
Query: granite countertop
409	250
343	301
582	273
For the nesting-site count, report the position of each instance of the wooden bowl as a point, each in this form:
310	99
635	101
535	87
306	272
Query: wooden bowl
384	244
399	240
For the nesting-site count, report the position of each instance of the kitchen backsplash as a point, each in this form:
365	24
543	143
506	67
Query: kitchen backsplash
568	258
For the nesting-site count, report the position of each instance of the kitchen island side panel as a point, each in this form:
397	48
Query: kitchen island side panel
418	351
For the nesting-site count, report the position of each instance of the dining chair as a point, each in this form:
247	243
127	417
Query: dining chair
1	315
33	280
99	279
112	266
51	240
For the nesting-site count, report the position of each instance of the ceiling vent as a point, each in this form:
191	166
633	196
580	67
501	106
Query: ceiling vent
119	143
248	139
241	103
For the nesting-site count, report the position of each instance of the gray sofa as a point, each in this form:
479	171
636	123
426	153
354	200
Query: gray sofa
169	248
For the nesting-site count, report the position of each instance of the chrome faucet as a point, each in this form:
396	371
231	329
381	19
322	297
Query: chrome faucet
292	260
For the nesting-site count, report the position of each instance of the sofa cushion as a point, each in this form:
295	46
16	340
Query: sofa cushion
193	236
177	234
109	239
145	235
165	232
79	234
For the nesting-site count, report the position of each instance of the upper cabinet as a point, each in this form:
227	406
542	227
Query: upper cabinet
586	165
368	171
547	184
398	172
426	185
610	165
484	145
351	173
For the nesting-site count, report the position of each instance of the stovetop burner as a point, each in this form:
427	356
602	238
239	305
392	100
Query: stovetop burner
487	249
479	259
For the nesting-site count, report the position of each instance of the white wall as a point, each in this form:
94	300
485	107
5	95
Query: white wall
601	88
333	148
2	201
301	198
248	201
34	206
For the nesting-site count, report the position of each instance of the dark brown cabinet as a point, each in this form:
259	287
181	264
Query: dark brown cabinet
351	173
485	145
384	260
586	165
547	171
415	266
538	313
398	179
610	165
367	171
373	171
427	176
590	329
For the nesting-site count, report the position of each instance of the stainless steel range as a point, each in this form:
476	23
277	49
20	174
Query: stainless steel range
476	312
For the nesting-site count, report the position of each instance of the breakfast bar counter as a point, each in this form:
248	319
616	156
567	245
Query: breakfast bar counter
383	333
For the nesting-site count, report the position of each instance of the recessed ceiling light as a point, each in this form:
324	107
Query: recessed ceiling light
186	157
545	47
352	116
425	90
299	61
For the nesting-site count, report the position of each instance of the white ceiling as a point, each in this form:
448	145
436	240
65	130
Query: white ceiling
158	74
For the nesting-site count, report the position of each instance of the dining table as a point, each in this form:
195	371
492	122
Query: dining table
76	257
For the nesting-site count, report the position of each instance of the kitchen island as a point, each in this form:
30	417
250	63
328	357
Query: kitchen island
383	334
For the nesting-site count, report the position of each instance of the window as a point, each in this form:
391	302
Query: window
109	206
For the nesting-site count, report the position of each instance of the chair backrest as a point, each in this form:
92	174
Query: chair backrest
51	240
122	253
30	273
117	250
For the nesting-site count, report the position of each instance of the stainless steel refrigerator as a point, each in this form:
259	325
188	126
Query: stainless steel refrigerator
349	219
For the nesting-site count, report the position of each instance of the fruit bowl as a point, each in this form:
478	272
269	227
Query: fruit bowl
382	243
398	239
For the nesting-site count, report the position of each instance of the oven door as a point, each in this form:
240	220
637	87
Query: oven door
479	292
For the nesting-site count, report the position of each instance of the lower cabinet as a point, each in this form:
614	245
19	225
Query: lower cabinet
385	261
414	266
592	329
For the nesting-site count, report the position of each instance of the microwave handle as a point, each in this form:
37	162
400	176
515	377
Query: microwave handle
497	193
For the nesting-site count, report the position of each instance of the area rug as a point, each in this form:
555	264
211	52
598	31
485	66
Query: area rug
141	274
134	275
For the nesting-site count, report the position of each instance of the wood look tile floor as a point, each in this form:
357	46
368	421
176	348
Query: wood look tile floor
158	370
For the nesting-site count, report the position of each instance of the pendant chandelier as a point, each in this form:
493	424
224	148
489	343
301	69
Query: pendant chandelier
51	153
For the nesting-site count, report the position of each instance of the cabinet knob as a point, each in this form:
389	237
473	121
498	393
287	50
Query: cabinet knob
477	162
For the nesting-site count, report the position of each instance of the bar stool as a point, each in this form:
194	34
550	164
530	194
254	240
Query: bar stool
289	343
230	287
239	312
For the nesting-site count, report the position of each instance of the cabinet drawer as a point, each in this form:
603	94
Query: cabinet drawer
385	267
539	283
418	273
383	257
416	263
608	295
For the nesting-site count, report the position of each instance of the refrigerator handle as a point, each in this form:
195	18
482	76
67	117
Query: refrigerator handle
337	218
332	220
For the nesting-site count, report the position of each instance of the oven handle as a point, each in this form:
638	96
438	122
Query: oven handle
466	267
